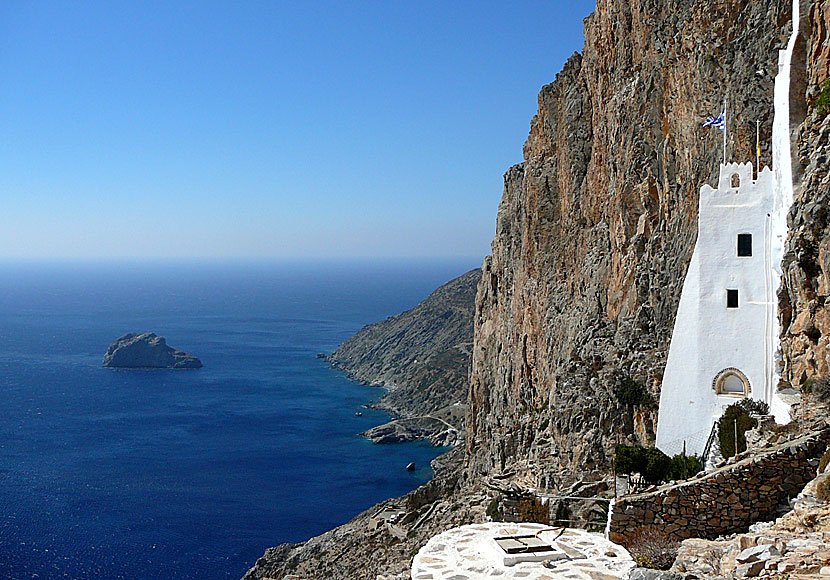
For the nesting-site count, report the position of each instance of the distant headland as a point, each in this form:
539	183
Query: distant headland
147	351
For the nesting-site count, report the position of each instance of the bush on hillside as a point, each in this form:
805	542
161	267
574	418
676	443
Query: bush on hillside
822	103
735	416
754	407
684	466
629	458
630	392
650	462
658	466
652	547
654	465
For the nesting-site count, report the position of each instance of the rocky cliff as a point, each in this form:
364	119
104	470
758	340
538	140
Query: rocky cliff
421	356
804	314
596	228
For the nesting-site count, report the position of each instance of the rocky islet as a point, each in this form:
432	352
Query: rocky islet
147	351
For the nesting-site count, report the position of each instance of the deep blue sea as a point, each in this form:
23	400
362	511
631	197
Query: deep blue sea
162	474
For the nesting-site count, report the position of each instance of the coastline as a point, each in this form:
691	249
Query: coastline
341	553
441	428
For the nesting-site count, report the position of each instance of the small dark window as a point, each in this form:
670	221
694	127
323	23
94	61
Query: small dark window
744	244
731	298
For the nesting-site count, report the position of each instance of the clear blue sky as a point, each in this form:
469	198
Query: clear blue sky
267	129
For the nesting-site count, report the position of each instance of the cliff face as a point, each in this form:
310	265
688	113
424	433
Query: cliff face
422	355
596	228
804	314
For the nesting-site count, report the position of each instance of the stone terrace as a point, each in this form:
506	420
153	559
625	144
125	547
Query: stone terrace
468	553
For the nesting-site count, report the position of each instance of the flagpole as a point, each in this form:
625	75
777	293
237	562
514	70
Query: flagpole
724	130
757	147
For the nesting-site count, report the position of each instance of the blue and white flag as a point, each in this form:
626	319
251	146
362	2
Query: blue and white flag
719	122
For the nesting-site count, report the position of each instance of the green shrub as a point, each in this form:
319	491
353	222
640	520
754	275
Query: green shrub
822	103
754	407
650	462
684	466
630	458
630	392
733	414
658	465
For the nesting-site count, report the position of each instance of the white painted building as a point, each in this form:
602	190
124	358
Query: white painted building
725	342
719	346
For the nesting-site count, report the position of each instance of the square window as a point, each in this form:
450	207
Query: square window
744	244
731	298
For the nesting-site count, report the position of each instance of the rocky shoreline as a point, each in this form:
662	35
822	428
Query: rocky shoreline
421	359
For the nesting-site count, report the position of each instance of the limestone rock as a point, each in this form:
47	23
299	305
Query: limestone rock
596	228
757	553
422	358
649	574
804	312
137	351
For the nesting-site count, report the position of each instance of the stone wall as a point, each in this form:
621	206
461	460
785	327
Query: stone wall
728	499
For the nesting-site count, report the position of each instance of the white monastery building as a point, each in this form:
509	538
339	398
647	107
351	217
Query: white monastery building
719	349
725	344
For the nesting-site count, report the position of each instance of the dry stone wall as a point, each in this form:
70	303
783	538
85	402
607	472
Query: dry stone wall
728	499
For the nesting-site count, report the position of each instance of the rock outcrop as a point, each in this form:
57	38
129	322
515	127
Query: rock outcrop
422	357
596	228
804	308
147	351
439	428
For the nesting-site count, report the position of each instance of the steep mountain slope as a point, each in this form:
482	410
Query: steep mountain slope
422	355
804	314
596	227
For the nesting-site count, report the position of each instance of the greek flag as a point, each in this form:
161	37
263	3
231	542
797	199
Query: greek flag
719	122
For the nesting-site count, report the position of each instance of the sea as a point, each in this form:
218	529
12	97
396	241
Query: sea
178	474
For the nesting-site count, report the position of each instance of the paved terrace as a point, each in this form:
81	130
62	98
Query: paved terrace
470	553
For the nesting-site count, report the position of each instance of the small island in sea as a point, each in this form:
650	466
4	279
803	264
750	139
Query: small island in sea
147	351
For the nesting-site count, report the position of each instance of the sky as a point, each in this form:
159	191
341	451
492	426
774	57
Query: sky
267	129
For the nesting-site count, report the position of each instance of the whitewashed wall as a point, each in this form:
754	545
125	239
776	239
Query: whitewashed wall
708	337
